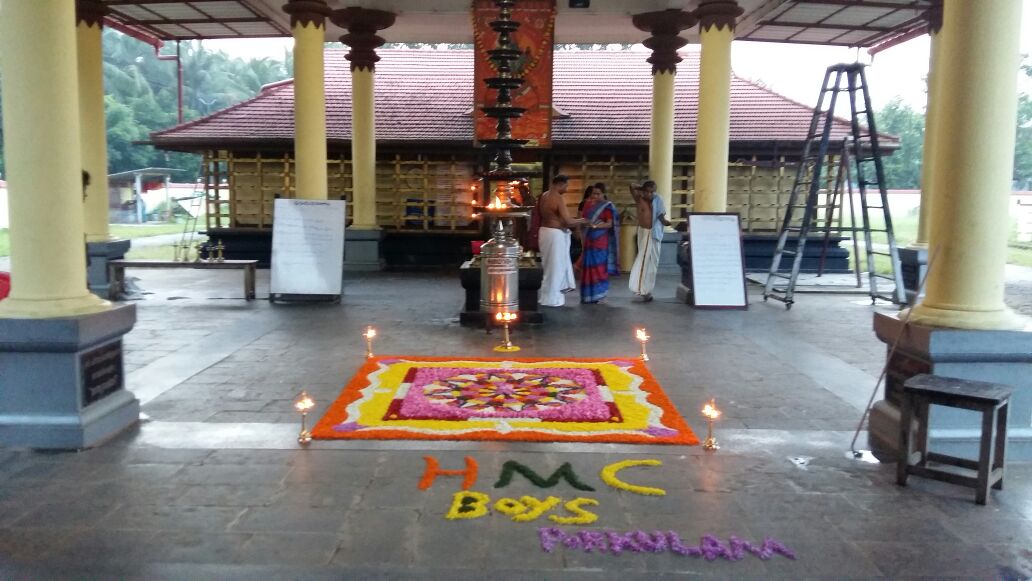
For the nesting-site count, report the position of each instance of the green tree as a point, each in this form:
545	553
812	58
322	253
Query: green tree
902	168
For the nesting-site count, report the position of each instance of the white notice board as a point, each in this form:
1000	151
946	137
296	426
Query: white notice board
307	247
718	271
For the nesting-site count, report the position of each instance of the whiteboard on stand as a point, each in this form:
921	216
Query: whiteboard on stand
307	247
717	264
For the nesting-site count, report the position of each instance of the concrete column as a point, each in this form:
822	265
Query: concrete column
43	156
716	31
664	26
973	168
661	138
93	135
914	258
362	247
308	25
363	148
930	136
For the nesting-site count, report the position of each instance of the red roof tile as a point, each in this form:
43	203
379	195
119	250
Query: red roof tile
425	95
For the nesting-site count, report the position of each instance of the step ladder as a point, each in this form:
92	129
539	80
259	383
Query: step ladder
861	156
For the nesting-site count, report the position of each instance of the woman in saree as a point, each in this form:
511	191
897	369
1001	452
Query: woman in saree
598	259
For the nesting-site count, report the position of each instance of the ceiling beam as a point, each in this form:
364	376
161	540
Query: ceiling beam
829	26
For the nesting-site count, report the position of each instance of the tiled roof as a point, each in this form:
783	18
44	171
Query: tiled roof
427	96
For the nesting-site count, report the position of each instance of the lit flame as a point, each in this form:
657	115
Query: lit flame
710	410
369	333
304	403
505	317
641	335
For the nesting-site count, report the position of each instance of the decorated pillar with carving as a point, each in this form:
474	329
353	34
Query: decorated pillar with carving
934	16
664	26
308	24
93	140
89	25
973	167
716	31
61	371
914	258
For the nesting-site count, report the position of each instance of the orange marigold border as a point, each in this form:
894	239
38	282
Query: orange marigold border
337	411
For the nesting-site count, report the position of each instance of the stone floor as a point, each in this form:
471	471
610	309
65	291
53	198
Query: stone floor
213	485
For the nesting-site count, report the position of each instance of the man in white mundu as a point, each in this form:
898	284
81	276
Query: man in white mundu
554	242
651	220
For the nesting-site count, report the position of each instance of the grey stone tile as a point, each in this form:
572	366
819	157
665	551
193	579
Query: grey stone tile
84	514
296	518
377	537
295	549
227	495
1017	558
195	546
914	559
231	474
171	518
34	545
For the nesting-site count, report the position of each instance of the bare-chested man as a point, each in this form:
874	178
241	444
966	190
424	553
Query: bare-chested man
651	220
554	242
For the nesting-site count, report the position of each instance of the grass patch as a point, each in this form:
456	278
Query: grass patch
124	231
130	231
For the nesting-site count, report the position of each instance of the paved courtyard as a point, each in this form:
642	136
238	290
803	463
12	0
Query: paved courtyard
213	485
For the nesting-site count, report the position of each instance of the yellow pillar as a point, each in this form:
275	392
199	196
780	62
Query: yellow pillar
308	24
93	135
362	25
664	26
661	142
973	167
43	158
363	148
931	124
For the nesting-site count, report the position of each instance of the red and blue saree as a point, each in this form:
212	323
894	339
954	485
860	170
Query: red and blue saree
598	259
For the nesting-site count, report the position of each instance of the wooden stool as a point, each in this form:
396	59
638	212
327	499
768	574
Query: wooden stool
991	399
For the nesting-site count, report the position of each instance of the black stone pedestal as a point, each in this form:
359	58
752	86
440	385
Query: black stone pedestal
530	283
913	262
100	253
62	382
362	250
1003	357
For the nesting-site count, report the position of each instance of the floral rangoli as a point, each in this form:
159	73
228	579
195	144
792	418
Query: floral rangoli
589	400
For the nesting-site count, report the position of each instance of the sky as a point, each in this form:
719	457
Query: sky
793	70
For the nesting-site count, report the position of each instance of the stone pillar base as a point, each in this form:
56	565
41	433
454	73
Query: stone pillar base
97	269
668	253
362	250
1003	357
913	264
63	380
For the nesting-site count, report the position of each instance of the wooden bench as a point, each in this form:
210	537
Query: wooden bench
116	271
990	399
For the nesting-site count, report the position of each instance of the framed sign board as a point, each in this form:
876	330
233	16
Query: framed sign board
307	249
717	263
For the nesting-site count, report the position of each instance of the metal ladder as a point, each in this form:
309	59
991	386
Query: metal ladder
866	163
182	248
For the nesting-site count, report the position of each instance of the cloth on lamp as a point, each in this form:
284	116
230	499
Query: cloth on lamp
646	263
555	260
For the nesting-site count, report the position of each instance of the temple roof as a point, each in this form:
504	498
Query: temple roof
426	96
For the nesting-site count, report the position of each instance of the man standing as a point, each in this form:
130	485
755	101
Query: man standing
554	242
651	220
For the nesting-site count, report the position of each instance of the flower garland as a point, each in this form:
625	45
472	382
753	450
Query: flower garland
527	508
608	475
565	471
468	504
639	541
583	517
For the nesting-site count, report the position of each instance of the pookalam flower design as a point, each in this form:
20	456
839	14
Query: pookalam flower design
508	391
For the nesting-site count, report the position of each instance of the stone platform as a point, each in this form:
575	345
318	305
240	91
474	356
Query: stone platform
213	486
